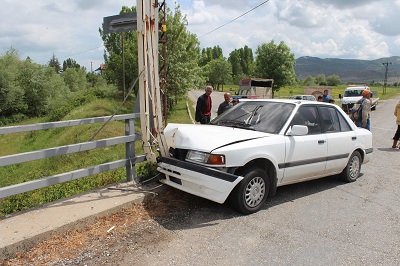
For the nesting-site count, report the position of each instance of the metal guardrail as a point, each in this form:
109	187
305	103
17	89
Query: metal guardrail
129	140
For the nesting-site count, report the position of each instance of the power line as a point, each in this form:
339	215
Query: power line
234	19
69	56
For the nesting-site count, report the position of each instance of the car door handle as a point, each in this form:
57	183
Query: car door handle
353	138
321	141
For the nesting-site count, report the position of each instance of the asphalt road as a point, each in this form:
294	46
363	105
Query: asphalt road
322	222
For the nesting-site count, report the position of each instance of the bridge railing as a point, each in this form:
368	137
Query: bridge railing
129	162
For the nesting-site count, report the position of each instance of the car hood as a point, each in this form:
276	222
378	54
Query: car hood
206	137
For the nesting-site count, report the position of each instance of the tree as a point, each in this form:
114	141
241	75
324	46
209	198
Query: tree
333	80
308	81
218	72
70	63
74	78
183	56
54	63
208	54
320	79
246	59
241	61
276	62
11	94
235	60
113	55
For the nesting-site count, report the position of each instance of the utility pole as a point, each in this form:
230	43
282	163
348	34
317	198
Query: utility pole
123	62
386	73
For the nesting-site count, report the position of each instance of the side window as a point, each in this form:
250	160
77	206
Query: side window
308	116
330	120
344	125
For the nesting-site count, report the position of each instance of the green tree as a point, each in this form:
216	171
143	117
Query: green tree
308	81
11	94
183	55
276	62
113	55
246	59
210	53
320	79
54	63
218	72
70	63
74	78
241	61
235	60
333	80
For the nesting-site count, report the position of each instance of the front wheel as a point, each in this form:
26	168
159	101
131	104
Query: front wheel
252	192
353	167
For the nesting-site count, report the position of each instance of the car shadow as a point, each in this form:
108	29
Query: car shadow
177	210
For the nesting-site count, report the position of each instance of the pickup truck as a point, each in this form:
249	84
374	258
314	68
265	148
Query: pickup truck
354	93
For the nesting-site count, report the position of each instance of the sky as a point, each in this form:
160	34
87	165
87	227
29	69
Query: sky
347	29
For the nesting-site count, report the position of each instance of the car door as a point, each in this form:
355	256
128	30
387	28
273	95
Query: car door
341	138
305	155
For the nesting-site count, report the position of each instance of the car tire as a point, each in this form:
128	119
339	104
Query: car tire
252	192
353	167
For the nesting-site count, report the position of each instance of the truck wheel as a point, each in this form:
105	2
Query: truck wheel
352	170
252	192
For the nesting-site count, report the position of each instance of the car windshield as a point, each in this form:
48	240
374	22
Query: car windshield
268	117
353	93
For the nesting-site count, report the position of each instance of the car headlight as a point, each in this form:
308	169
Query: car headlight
206	158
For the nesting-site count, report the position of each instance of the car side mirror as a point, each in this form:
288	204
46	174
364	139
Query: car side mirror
340	96
298	130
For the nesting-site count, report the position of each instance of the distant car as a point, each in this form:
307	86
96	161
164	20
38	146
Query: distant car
248	151
303	97
354	93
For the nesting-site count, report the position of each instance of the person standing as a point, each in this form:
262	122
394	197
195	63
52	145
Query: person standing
365	104
226	104
326	97
203	106
397	134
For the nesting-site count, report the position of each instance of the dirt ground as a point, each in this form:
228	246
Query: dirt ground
132	230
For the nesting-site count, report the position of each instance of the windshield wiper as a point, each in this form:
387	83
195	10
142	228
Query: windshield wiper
235	124
252	114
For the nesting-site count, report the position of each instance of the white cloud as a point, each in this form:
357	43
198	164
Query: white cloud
364	29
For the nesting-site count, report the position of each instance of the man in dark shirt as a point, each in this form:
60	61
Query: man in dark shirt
203	106
225	105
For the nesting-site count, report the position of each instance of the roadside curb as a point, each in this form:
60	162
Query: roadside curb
22	231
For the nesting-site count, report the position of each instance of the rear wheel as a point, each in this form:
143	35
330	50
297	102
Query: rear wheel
352	170
252	192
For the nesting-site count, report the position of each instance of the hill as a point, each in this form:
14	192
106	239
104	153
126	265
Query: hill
349	70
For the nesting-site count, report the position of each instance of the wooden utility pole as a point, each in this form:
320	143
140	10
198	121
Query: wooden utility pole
386	74
149	84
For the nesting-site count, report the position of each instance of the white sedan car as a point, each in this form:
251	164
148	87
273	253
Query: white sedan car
247	152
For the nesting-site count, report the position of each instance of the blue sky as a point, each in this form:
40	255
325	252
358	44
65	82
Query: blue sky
356	29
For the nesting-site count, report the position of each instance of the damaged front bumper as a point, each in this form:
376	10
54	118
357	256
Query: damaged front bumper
198	180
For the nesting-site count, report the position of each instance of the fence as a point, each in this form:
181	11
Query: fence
129	139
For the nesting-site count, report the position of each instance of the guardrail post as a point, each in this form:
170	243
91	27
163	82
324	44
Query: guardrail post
130	150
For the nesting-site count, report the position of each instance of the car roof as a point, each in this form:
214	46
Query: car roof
298	102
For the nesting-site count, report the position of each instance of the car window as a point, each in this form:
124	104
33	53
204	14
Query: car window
308	116
344	125
268	117
332	120
329	119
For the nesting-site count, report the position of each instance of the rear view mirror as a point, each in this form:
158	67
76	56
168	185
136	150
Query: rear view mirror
340	96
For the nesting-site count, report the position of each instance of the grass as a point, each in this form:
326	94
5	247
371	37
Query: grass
35	140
